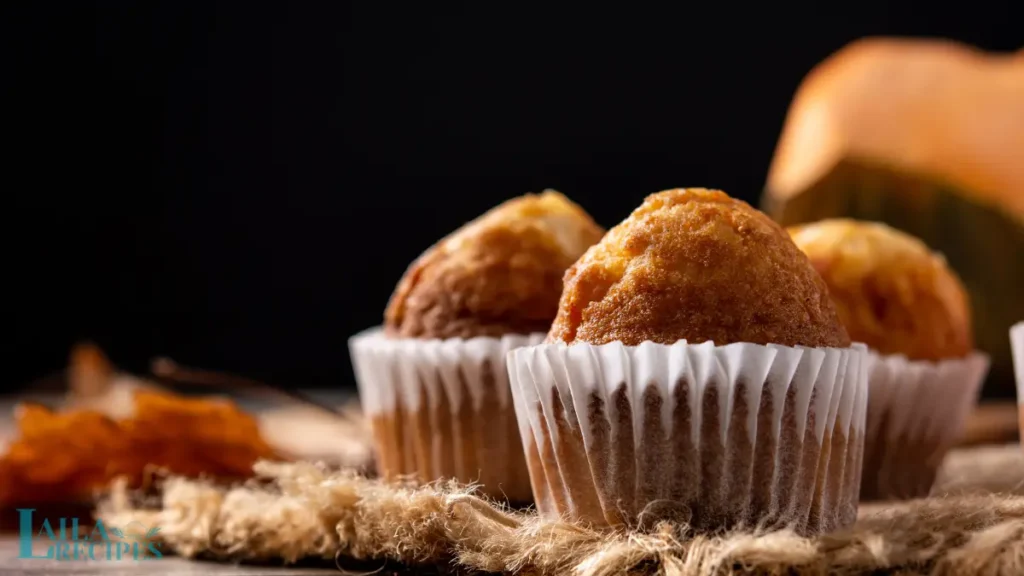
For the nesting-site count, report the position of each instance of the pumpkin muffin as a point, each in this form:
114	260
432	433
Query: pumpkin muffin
904	302
696	370
684	266
433	380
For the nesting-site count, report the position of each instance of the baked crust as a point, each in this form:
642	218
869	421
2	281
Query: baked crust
499	274
695	264
891	292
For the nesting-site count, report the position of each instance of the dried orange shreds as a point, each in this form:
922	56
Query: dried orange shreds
65	456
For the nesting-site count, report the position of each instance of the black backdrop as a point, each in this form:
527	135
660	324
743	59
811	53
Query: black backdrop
239	186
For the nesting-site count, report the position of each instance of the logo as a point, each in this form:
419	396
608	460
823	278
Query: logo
68	539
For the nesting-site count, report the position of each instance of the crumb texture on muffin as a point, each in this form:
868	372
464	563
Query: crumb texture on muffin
891	292
695	264
499	274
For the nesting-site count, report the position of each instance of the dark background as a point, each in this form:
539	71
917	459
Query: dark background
239	186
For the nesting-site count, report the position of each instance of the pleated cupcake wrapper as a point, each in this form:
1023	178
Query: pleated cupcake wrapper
442	409
1017	346
718	436
916	413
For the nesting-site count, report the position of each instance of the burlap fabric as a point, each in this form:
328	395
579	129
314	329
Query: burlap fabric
972	524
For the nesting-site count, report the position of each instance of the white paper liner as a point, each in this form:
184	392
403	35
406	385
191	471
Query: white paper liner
719	436
442	409
1017	346
916	413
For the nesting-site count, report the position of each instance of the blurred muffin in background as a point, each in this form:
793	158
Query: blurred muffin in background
433	379
902	300
890	291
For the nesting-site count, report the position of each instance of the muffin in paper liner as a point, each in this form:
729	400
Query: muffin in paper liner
442	409
1017	345
903	300
916	413
719	436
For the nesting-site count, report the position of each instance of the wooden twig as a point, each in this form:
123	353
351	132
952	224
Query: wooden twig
171	372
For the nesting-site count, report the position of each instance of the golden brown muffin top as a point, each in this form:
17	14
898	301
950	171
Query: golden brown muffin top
499	274
892	293
695	264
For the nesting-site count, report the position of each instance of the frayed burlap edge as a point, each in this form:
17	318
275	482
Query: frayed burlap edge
298	511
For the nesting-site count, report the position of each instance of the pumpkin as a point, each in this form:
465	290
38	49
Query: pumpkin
928	137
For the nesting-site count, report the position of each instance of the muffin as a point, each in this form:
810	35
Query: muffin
696	371
1017	344
901	300
433	379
